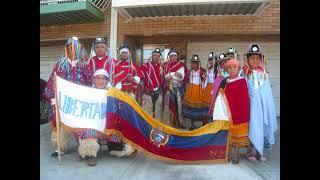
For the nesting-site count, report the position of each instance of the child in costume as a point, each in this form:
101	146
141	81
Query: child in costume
263	122
193	106
236	91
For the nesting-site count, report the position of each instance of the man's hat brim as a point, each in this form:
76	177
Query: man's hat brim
231	53
71	39
103	42
156	52
98	42
222	59
252	53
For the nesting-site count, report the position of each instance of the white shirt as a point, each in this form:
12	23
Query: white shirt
210	76
209	79
194	77
257	77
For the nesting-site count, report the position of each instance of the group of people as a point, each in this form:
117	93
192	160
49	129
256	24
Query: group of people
171	93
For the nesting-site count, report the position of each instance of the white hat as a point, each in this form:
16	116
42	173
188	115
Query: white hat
101	72
172	53
124	50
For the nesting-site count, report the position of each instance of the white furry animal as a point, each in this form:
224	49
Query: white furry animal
127	151
88	147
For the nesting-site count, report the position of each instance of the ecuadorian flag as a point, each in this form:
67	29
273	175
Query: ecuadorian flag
208	144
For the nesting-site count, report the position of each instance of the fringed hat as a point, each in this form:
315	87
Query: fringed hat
254	49
71	40
99	40
96	41
124	48
173	51
195	58
217	68
157	50
222	57
75	50
211	56
232	51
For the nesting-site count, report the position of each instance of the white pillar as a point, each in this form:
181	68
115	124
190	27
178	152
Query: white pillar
113	32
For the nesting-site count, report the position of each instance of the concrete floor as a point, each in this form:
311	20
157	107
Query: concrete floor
142	167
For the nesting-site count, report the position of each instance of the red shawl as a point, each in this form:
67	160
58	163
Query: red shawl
238	100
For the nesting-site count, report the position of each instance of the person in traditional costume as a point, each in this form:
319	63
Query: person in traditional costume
233	54
90	140
193	106
236	91
153	79
72	66
209	80
99	58
101	79
174	73
129	74
223	59
185	79
219	75
263	121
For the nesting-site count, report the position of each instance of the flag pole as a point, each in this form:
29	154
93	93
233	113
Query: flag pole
57	118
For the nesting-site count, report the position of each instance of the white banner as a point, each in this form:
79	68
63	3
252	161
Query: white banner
81	106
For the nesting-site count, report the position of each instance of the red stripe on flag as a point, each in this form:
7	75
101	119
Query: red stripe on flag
187	154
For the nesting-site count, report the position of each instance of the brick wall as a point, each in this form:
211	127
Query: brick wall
79	30
268	22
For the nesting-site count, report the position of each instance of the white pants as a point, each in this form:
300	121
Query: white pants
147	106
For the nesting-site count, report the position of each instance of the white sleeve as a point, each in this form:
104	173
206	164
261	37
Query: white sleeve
181	71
